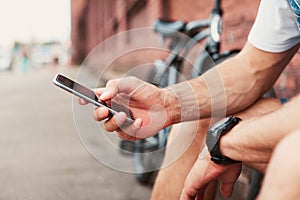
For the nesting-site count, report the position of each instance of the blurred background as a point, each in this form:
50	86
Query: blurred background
41	155
34	33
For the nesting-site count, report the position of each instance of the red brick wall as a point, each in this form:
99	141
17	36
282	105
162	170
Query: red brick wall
100	19
95	20
78	30
237	19
288	83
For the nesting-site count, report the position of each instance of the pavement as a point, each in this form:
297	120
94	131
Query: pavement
41	155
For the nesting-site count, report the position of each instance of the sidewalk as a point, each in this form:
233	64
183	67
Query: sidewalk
40	151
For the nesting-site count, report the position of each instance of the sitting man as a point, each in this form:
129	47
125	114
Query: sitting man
252	142
234	86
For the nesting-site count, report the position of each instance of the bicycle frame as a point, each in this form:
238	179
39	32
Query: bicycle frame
195	31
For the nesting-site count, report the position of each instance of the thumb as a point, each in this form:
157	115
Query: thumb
226	189
229	178
122	85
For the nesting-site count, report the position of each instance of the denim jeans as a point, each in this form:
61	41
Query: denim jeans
295	5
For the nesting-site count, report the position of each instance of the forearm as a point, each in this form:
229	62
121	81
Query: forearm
261	167
213	93
254	140
229	87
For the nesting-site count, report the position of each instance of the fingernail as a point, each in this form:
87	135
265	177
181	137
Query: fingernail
97	90
138	123
80	101
100	111
105	95
120	118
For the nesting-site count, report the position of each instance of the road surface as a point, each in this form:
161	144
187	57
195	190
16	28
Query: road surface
41	155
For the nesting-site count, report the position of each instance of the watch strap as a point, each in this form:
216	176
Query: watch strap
217	132
219	158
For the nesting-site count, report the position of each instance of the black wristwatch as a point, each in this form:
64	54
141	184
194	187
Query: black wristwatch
213	136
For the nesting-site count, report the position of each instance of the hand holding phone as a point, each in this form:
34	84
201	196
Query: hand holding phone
85	93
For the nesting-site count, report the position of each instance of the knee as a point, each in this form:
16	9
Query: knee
290	141
282	177
287	148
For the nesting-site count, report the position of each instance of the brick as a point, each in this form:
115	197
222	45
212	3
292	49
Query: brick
93	21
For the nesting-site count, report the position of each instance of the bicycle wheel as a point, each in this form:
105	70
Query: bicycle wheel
158	76
147	164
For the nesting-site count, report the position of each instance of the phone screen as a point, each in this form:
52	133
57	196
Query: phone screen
87	94
77	87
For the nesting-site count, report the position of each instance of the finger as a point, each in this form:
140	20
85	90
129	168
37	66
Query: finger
124	85
125	136
197	179
120	124
228	179
131	130
210	190
114	122
185	196
191	190
82	101
110	91
196	194
226	189
99	91
200	194
101	113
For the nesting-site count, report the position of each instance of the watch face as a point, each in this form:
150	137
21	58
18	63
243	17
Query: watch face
214	133
218	123
213	137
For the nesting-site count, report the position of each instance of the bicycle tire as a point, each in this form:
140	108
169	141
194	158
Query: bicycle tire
146	165
158	75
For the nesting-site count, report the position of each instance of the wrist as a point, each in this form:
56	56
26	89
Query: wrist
228	145
182	102
172	106
213	138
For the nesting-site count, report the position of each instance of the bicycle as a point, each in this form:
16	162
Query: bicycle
183	37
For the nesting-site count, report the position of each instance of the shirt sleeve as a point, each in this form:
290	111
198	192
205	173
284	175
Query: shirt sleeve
275	28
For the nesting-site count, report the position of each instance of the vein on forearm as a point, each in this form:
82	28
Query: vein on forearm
232	86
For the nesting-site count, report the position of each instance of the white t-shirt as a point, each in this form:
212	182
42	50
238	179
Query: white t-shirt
275	28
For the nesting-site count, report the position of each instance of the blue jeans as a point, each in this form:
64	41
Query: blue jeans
295	5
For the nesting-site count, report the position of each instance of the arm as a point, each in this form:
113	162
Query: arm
228	88
251	141
233	85
254	140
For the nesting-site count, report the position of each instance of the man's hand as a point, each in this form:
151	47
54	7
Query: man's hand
203	172
146	103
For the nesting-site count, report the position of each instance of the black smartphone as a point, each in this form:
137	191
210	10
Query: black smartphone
84	93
